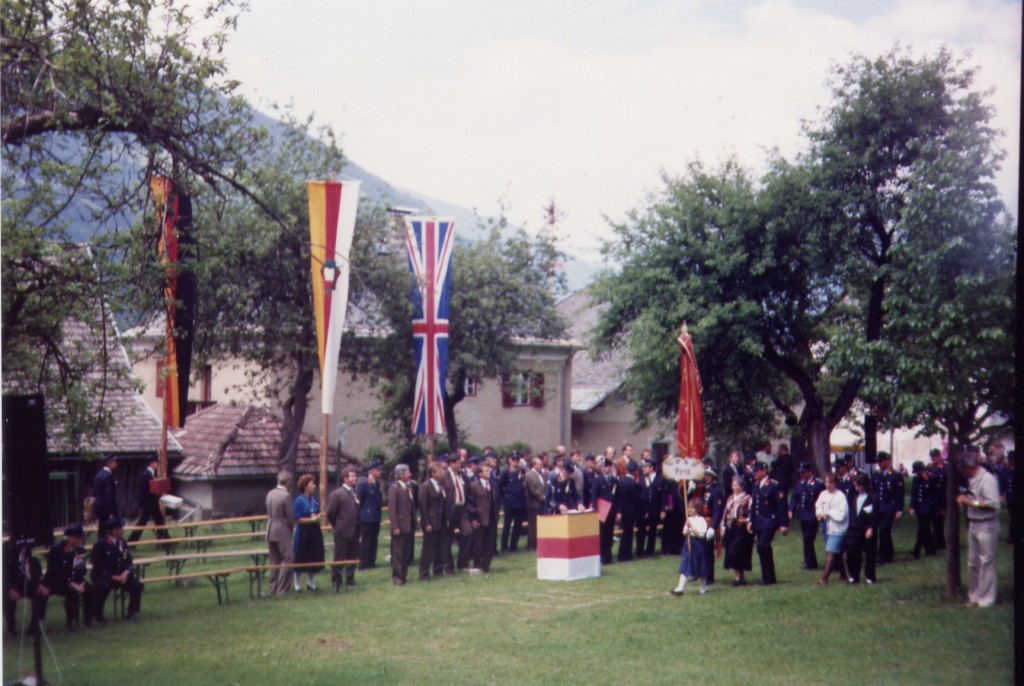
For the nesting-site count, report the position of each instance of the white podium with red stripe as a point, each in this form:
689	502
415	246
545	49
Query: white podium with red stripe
568	546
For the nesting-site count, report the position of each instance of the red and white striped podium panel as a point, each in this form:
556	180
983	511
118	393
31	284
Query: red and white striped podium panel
568	547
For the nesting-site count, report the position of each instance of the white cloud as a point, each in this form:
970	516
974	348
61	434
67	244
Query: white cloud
588	103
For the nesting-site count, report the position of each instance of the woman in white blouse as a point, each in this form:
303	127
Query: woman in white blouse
833	509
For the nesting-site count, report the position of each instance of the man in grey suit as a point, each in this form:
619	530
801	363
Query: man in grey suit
280	526
403	528
343	515
432	522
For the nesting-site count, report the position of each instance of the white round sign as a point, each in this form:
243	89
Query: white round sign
683	469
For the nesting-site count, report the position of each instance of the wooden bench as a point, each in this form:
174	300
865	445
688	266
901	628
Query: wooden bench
175	563
217	577
256	572
201	543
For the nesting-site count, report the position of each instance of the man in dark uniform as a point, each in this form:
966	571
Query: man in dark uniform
104	490
844	482
767	513
65	576
652	511
513	496
922	506
801	506
731	471
22	574
888	485
627	502
714	507
561	496
112	569
371	498
589	474
937	475
149	503
605	489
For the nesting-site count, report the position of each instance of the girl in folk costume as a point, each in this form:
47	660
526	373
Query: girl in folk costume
693	563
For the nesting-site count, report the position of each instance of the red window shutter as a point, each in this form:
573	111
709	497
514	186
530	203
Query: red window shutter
159	379
506	391
537	390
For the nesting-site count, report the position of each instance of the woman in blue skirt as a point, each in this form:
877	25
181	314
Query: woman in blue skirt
693	563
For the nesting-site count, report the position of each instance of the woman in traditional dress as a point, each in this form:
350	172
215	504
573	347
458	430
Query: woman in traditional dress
739	543
309	539
693	563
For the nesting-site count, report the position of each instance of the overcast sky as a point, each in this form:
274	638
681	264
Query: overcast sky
589	102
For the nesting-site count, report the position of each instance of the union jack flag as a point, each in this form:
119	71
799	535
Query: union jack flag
429	242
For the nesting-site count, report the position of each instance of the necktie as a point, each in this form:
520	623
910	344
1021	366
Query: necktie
458	490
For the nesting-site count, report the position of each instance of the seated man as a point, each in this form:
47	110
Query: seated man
21	580
112	569
65	576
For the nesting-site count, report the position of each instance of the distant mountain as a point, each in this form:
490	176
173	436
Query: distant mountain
578	273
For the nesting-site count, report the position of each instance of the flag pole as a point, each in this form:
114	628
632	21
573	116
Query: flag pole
323	471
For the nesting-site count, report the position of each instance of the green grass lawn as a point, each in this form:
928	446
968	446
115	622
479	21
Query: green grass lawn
509	628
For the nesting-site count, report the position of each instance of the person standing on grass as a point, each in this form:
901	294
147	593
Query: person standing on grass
627	503
802	506
343	512
767	514
888	485
104	491
833	510
370	494
432	498
513	496
149	502
697	535
280	527
981	502
403	527
483	513
922	506
536	490
605	488
652	496
309	538
736	537
861	541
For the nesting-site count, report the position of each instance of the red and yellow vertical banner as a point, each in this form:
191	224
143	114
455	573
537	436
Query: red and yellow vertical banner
332	219
690	441
174	215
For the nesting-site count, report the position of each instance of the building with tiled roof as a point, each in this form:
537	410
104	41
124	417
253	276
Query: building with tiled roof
602	413
231	458
134	433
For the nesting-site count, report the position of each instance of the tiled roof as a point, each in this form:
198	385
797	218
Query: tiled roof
227	441
135	428
592	380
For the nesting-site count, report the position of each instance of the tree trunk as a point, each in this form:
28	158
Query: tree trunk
953	575
450	401
818	446
293	410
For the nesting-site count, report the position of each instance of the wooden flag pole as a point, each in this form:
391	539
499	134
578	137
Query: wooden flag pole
323	471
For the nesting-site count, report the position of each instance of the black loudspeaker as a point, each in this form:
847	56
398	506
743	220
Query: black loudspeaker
871	439
26	477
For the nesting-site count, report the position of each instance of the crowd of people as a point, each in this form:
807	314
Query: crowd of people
459	503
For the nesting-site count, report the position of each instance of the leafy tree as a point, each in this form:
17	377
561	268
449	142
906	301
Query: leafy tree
786	282
95	98
255	289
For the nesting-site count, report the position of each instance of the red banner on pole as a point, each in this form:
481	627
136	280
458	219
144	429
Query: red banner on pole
690	441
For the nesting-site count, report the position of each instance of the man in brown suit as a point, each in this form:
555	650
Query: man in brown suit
536	487
280	526
403	529
343	514
483	512
432	521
